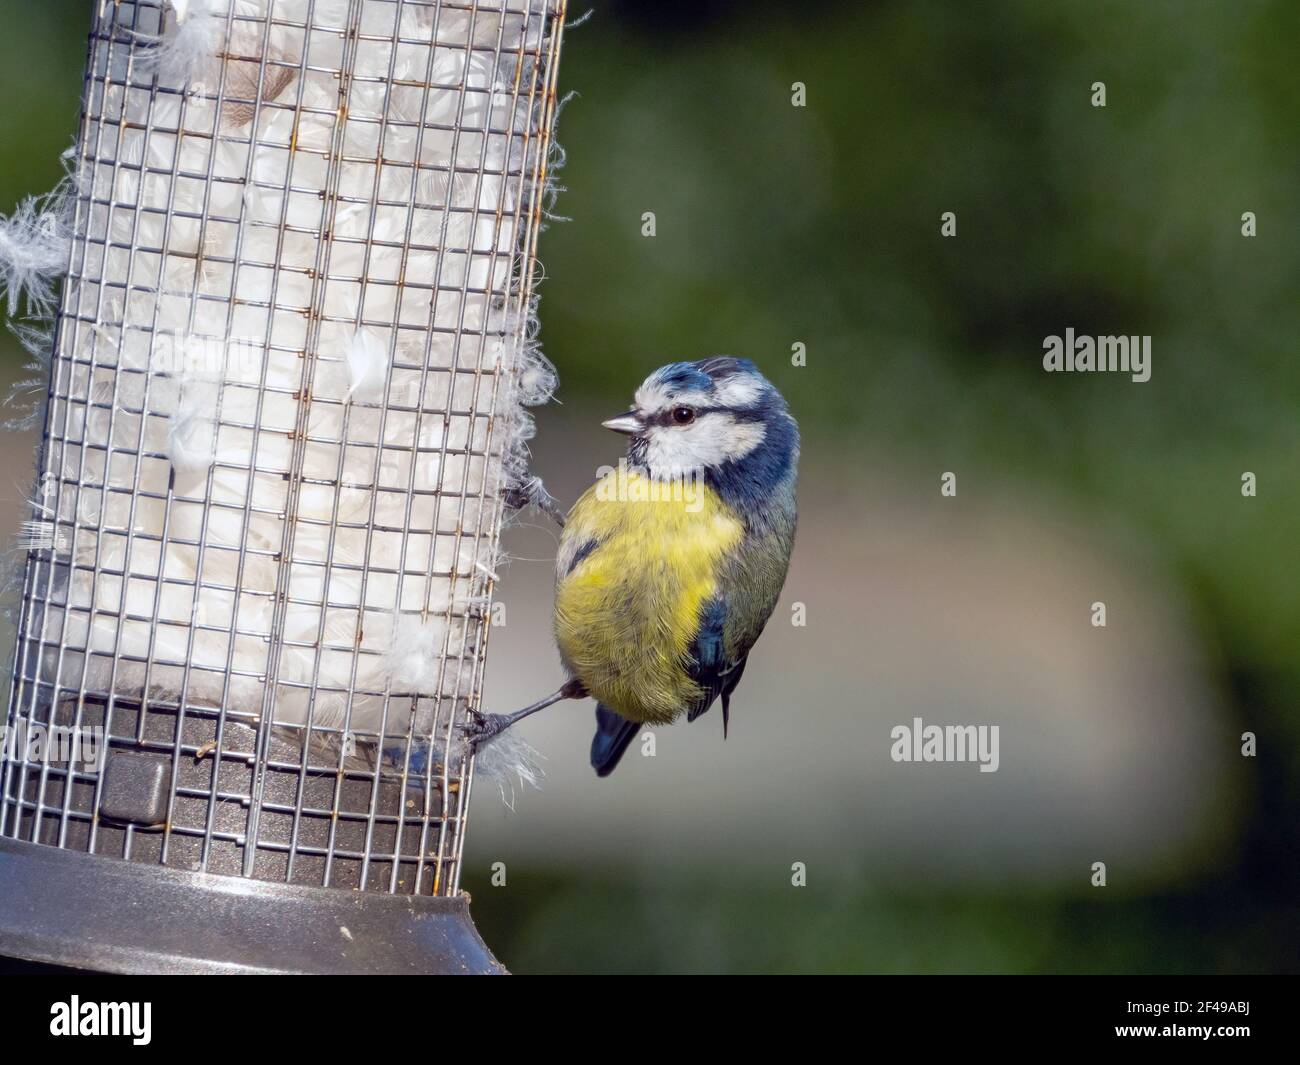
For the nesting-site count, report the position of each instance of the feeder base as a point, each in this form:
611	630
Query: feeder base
90	912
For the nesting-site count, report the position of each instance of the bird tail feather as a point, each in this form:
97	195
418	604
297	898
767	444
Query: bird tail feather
613	734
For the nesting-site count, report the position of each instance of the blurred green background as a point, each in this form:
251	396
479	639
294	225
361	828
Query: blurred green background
819	225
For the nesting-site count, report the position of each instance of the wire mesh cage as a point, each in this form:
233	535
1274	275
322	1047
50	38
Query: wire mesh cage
289	364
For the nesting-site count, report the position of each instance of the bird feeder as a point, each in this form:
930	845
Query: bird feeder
286	396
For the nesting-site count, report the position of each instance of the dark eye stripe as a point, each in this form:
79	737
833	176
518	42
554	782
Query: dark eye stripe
665	417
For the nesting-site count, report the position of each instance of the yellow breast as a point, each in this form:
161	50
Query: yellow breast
627	612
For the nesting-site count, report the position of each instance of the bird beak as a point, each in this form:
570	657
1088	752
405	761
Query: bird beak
626	423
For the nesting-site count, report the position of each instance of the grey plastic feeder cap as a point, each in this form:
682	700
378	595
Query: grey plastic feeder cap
65	908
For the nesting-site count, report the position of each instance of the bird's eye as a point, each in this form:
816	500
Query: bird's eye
683	415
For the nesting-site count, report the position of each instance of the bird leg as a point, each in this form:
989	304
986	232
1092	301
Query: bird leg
532	493
484	727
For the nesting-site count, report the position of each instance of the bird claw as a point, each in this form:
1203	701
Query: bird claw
532	493
483	727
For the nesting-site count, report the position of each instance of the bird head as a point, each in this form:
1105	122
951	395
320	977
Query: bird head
719	417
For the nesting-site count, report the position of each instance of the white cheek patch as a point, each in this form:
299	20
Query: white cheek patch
711	440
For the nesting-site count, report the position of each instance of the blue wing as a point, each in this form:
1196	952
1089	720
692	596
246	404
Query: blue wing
711	669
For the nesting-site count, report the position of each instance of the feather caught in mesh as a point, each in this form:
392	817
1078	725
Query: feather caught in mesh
35	241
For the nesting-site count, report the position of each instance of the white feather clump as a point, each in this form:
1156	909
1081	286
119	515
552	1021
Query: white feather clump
34	245
191	48
367	364
414	658
509	761
344	543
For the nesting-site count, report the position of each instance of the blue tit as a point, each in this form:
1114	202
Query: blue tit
671	564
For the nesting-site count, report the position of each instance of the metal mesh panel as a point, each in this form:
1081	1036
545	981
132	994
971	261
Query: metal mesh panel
279	421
